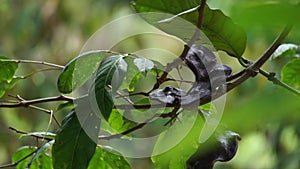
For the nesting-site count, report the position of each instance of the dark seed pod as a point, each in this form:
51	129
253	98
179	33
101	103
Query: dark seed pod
220	148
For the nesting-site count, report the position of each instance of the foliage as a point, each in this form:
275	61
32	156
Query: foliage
120	84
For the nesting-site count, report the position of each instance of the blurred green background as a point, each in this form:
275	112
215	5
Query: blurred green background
266	116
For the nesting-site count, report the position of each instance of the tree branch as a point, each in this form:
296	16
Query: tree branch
35	136
253	69
141	125
17	162
33	62
258	64
199	23
272	77
50	112
26	103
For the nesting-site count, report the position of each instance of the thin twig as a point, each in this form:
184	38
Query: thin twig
130	130
33	73
26	103
141	125
32	135
17	162
272	77
258	64
50	121
124	98
181	81
33	62
253	69
235	76
50	112
195	37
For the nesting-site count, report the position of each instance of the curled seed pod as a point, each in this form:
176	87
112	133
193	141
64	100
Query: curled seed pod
220	148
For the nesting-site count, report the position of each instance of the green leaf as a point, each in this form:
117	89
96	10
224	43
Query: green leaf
5	85
79	70
115	120
111	72
43	161
65	106
176	157
143	64
290	73
7	71
108	159
73	148
133	82
116	123
133	74
223	33
22	153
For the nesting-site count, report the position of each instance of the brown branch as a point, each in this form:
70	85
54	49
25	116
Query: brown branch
35	136
258	64
253	69
26	103
50	112
141	125
17	162
142	106
199	23
33	62
235	76
272	77
130	130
